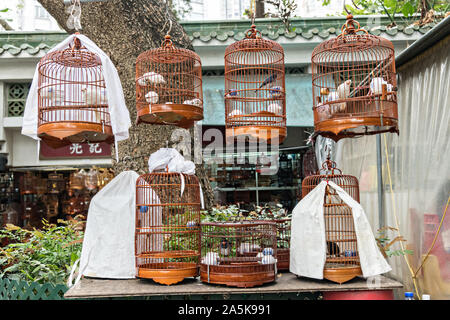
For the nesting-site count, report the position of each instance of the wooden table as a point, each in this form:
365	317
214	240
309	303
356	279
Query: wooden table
287	283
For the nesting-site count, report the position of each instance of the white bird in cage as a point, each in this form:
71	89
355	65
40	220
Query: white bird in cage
335	107
324	111
274	108
151	78
376	86
235	112
94	95
195	102
52	93
151	97
343	89
268	259
211	258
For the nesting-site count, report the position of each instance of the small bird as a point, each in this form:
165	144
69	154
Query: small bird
268	259
275	91
94	95
235	112
195	102
224	247
52	93
274	108
143	209
333	249
270	79
343	89
376	87
151	77
231	93
152	97
335	107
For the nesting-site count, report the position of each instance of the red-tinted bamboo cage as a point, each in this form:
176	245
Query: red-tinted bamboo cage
354	84
28	183
55	183
167	238
169	86
240	254
283	243
342	258
255	94
72	98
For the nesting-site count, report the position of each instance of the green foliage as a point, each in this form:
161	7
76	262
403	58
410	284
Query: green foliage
385	244
43	256
395	10
284	10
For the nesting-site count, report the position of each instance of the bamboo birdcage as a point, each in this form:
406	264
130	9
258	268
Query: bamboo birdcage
28	182
342	258
77	180
354	84
255	94
169	86
55	183
72	98
167	238
283	243
240	254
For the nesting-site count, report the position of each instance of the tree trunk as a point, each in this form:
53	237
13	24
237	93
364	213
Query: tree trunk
123	29
259	10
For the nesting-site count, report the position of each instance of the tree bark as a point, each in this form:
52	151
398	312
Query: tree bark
123	29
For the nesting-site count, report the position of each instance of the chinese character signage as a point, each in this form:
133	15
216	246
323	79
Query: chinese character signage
76	150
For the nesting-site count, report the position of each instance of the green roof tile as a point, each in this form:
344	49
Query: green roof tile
205	31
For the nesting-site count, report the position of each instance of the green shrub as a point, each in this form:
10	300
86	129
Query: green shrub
43	256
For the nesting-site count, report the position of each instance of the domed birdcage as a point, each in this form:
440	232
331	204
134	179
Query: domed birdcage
255	94
240	254
342	257
72	98
167	238
283	243
169	86
354	84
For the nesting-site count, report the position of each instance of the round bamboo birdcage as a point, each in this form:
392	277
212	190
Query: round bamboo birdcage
342	257
28	182
55	183
72	98
354	84
283	243
77	180
255	94
239	254
167	238
169	86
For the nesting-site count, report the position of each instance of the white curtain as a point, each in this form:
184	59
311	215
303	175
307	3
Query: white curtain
419	161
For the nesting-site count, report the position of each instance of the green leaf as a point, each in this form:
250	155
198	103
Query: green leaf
4	10
408	9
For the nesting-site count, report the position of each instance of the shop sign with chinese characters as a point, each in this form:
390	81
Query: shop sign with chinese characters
76	150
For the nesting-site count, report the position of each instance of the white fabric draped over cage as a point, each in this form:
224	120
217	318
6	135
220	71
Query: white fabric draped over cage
119	115
308	243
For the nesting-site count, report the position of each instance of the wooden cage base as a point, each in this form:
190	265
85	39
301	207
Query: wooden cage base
242	276
264	133
283	259
346	127
341	275
181	115
168	272
59	134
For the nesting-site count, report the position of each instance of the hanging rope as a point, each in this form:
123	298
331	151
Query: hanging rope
167	19
253	11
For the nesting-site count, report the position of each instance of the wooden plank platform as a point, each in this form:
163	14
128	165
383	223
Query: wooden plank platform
286	283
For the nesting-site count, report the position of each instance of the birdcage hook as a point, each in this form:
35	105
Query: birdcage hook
252	33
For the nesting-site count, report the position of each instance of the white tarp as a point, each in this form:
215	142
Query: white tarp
108	244
308	244
120	117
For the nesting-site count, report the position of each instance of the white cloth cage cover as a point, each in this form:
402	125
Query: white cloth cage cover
308	243
119	115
